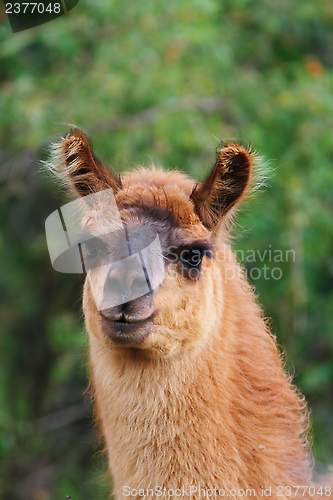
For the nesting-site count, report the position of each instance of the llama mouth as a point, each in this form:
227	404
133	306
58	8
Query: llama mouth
127	333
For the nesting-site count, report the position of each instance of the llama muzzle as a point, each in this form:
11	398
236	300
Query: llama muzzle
128	323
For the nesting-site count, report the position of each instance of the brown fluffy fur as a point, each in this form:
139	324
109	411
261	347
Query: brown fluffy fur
203	400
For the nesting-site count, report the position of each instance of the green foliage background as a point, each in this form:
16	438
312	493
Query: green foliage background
162	82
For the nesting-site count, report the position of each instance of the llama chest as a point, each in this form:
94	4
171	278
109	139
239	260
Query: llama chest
163	438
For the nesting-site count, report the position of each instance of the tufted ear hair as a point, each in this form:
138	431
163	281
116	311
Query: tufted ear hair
74	162
225	186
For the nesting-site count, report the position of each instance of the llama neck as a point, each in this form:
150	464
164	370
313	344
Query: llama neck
157	409
231	401
133	386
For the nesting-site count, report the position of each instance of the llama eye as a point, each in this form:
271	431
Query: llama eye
90	250
192	257
89	254
93	250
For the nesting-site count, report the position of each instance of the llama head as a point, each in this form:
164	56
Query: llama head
171	306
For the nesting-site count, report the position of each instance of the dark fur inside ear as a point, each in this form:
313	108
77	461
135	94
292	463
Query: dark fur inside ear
75	163
225	186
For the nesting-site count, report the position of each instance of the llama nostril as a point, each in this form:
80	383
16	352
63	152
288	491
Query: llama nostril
124	285
138	284
113	284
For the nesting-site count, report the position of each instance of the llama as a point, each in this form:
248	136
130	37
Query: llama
189	388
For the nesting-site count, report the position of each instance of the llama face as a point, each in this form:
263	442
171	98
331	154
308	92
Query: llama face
165	209
172	316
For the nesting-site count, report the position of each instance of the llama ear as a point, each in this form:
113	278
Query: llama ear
74	162
225	186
